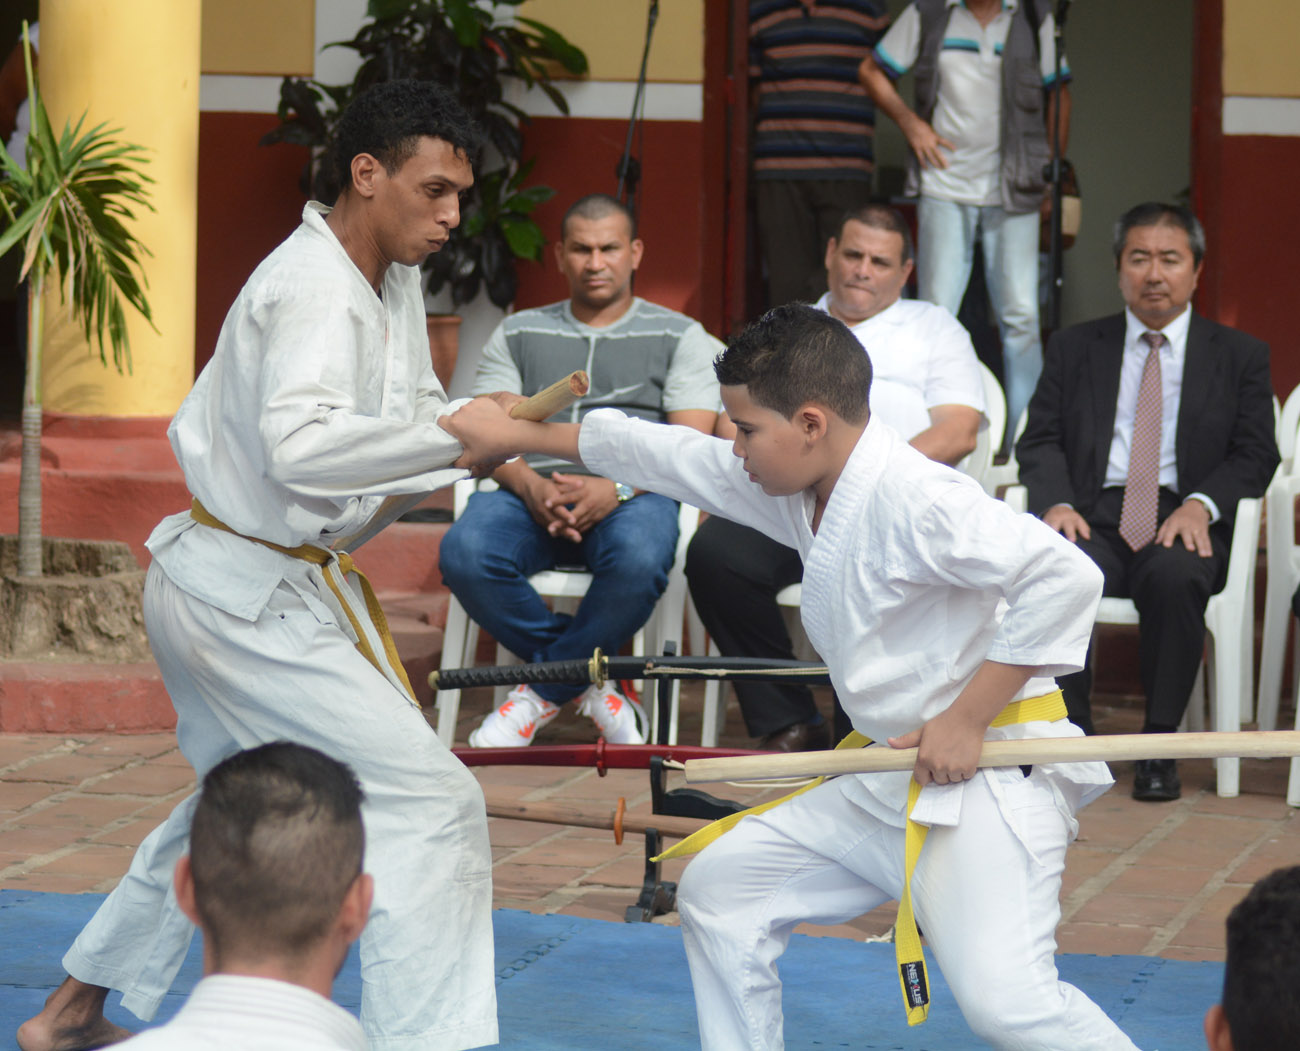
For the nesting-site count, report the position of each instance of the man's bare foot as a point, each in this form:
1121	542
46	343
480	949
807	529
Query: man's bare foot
71	1020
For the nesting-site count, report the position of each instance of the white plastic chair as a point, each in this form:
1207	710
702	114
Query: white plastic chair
979	460
1006	474
460	637
1230	624
1283	564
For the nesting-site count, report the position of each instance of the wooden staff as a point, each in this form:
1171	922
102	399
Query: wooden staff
559	395
1033	751
616	819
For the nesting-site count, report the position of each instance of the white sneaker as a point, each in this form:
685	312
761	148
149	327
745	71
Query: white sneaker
619	719
515	723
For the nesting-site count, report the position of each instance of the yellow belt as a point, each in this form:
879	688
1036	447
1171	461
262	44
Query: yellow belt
327	560
907	941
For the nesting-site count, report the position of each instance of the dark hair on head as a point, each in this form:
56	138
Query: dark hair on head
881	217
275	844
597	206
388	120
795	354
1263	965
1156	213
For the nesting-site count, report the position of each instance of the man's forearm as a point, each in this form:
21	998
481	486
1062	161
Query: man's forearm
883	93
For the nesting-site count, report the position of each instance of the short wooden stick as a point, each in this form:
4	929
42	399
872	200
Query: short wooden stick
1115	748
559	395
559	814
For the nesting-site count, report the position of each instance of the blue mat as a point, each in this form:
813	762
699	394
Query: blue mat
565	984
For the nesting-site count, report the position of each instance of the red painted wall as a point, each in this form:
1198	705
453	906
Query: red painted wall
249	202
578	156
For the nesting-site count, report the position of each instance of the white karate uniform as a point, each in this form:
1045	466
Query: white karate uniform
914	578
319	402
227	1012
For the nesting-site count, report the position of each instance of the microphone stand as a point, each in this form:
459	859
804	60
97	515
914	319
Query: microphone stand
1054	174
628	168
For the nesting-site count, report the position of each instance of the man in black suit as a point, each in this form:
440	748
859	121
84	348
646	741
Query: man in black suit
1141	462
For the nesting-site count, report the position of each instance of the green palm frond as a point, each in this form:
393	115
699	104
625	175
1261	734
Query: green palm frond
69	209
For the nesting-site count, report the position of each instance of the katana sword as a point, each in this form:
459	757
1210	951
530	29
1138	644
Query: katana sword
599	669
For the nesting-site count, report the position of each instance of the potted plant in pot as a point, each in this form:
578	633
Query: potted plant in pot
468	48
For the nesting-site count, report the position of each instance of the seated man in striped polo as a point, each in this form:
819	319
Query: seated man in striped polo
649	362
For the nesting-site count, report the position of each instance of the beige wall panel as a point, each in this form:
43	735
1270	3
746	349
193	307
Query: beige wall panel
276	37
612	33
1259	40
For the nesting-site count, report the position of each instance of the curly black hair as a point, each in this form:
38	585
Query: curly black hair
388	120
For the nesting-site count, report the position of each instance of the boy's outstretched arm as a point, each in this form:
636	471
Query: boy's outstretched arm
489	434
949	744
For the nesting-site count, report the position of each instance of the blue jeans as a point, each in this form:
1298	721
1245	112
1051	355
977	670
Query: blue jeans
490	552
946	233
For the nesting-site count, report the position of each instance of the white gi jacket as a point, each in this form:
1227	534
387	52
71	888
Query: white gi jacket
914	578
296	430
228	1011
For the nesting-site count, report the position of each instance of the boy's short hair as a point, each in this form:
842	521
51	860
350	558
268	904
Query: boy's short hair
795	354
1263	965
275	845
388	120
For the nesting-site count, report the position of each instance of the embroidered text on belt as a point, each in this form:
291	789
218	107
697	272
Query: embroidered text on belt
907	941
335	565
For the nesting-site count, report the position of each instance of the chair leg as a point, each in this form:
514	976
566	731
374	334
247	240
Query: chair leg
459	638
1272	654
1226	707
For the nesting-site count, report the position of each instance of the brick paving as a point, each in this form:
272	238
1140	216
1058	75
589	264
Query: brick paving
1151	879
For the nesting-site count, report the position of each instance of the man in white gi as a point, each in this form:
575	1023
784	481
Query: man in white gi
908	565
318	405
643	358
926	384
273	880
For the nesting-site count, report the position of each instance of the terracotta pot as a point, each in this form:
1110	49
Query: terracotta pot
444	345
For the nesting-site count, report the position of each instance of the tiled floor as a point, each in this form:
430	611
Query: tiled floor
1154	879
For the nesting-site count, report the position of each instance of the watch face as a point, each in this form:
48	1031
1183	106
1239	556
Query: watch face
623	492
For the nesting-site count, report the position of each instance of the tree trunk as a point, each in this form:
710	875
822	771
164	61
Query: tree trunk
29	482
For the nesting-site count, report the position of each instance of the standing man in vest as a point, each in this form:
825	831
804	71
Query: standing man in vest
979	135
649	362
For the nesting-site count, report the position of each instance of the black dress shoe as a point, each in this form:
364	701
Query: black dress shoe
1156	780
799	737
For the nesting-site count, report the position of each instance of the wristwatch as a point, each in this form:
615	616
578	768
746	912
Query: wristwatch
623	493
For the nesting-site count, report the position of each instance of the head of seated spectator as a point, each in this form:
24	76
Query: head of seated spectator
273	878
1260	1011
598	253
868	263
1158	253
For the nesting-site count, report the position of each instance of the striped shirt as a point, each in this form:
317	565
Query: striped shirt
814	120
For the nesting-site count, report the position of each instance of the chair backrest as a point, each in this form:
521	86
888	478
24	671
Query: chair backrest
1288	422
989	440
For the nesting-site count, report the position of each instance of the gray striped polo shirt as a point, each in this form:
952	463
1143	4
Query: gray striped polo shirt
648	363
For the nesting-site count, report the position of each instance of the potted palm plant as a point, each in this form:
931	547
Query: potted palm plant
465	46
68	210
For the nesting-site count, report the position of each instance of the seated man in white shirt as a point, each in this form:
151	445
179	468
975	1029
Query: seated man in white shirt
273	879
927	386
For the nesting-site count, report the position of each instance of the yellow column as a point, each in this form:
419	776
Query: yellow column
133	66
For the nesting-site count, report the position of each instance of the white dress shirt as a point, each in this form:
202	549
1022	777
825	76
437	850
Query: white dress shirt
228	1012
914	578
1173	356
319	402
921	356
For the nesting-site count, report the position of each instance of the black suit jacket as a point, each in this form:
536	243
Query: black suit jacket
1224	447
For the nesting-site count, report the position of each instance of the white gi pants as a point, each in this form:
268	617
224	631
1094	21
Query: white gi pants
988	908
426	954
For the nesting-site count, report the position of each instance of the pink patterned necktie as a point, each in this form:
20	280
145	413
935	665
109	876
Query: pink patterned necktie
1137	517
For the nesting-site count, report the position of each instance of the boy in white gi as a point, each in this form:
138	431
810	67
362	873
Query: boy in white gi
319	404
934	607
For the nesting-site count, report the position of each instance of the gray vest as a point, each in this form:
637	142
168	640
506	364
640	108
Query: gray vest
1024	147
